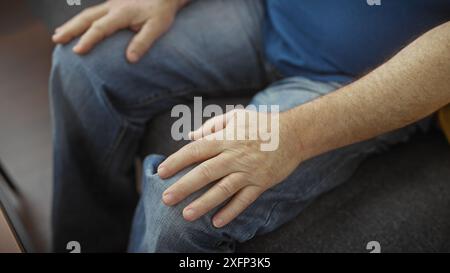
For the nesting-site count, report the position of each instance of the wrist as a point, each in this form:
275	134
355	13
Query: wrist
304	131
290	128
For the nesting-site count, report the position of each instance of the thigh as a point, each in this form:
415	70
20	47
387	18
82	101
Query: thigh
214	48
279	204
315	176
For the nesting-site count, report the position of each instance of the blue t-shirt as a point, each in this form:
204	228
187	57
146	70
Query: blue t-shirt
337	40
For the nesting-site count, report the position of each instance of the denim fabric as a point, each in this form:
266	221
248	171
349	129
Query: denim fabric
101	105
159	228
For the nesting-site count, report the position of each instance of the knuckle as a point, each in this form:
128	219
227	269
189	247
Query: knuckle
244	162
244	201
226	188
78	22
227	162
205	171
98	27
193	150
218	144
243	176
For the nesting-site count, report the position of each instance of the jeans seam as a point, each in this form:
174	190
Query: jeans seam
117	141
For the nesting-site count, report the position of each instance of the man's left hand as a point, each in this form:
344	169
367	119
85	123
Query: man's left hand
239	169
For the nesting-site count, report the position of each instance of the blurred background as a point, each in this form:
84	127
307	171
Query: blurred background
25	134
25	137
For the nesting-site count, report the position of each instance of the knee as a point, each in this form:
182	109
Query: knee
73	77
107	70
104	69
163	228
168	231
105	62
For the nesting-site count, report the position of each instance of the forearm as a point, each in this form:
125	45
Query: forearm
412	85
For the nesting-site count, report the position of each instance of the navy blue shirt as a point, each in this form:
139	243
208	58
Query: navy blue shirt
337	40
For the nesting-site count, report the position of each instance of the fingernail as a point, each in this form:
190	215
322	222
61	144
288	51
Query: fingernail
76	48
162	170
189	214
133	56
218	222
55	36
168	198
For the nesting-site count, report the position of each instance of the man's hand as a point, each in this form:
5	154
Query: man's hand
410	86
239	169
149	18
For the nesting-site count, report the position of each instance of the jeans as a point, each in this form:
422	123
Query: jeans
101	105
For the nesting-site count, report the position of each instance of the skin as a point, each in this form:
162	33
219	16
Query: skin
148	18
410	86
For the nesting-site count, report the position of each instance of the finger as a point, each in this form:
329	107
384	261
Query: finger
236	206
193	152
142	42
218	194
99	30
212	125
79	24
205	173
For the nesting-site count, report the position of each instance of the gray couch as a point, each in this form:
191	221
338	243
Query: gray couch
400	199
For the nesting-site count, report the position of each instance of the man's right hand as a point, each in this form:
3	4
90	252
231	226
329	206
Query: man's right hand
150	19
